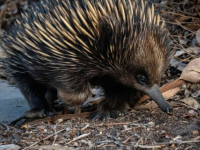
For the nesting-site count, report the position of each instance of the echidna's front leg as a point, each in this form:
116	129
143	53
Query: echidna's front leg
116	100
105	110
75	96
101	114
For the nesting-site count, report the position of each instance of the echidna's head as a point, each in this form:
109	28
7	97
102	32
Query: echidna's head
142	65
138	51
145	63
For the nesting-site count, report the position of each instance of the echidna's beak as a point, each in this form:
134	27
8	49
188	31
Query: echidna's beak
155	94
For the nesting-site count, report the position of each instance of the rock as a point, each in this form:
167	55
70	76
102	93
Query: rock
194	87
196	94
187	93
10	147
195	132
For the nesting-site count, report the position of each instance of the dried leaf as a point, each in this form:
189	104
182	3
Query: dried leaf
183	18
191	72
193	26
191	102
170	93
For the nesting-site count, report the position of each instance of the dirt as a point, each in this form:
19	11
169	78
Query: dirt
141	128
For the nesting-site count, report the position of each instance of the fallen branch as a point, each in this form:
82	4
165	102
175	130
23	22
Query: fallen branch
124	142
64	117
78	138
113	124
160	145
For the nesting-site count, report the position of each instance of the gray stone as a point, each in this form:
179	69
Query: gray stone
10	147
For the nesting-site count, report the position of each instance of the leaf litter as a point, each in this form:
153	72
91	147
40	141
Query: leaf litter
146	126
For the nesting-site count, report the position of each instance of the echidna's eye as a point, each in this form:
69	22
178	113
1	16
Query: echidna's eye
141	79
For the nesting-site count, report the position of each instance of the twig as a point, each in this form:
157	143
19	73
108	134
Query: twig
43	139
113	124
186	28
149	146
174	13
55	137
159	145
64	117
5	126
78	138
87	125
139	141
124	142
195	4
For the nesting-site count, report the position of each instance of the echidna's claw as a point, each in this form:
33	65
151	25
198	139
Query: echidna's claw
102	115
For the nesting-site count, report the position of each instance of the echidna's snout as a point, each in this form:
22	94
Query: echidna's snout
155	94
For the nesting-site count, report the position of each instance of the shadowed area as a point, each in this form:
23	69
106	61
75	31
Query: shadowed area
12	102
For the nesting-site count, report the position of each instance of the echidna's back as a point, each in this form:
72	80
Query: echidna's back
80	35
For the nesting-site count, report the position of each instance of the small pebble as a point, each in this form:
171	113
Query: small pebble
187	93
151	124
196	94
195	132
192	112
60	120
45	130
194	87
188	85
184	86
168	136
46	142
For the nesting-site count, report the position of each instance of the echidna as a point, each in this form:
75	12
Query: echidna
68	46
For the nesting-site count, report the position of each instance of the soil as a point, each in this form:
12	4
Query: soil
133	130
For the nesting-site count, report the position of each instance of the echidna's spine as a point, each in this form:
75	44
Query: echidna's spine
66	33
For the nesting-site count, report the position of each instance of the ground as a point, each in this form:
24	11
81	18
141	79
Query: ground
142	128
13	102
133	130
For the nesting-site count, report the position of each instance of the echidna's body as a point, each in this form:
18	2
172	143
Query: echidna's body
69	45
